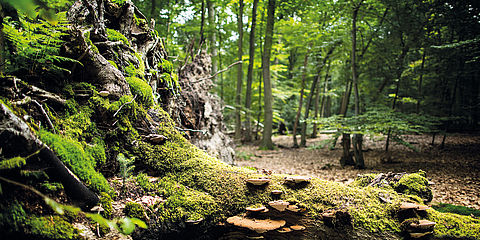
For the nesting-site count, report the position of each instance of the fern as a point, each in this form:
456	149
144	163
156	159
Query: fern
126	167
35	45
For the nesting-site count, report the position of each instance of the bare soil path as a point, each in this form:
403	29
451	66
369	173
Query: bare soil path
454	170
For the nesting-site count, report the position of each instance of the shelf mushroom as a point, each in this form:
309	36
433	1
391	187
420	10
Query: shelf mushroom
279	205
257	225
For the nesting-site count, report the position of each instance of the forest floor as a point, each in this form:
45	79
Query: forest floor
454	170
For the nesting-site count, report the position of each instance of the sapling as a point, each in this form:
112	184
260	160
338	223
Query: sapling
126	167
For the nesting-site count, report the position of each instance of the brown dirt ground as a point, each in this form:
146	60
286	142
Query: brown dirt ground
454	170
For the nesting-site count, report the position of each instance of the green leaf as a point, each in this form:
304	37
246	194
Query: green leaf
127	226
139	222
58	208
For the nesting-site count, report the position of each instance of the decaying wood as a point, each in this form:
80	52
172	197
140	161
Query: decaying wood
16	139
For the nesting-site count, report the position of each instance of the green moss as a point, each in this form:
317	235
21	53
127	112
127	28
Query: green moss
97	151
119	2
51	186
51	227
449	224
89	42
12	217
461	210
106	202
142	89
414	184
115	36
113	63
72	154
363	180
134	210
166	66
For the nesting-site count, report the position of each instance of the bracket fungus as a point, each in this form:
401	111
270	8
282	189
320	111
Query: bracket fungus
419	235
414	206
277	192
284	230
423	224
294	208
297	179
104	93
258	181
257	225
256	209
297	228
280	205
193	222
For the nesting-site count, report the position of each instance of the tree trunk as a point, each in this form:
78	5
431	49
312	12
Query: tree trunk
357	138
251	59
202	25
315	114
324	97
153	9
212	36
268	98
420	82
303	140
238	94
300	101
2	58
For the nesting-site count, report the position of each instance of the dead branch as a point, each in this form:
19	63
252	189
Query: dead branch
191	130
50	124
120	108
221	71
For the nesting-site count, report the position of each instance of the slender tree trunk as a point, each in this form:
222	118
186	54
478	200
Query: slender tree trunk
260	80
153	9
268	98
315	114
300	101
238	94
251	59
303	140
2	57
325	90
420	82
202	26
357	138
212	36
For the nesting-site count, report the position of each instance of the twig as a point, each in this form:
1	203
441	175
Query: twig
221	71
191	130
120	108
45	114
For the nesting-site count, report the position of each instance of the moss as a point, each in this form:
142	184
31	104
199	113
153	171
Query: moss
51	186
118	2
97	151
414	184
113	63
142	89
449	224
115	36
461	210
106	202
94	48
363	180
72	154
134	210
50	227
15	221
166	66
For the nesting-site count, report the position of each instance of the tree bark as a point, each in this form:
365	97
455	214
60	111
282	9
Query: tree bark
238	94
202	25
212	35
357	138
268	98
300	101
420	82
251	59
303	140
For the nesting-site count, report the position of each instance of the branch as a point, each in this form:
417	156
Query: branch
120	108
45	114
191	130
214	75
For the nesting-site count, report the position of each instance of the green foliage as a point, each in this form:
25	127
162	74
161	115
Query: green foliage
52	186
142	89
171	82
166	66
134	210
12	216
144	183
72	154
461	210
35	45
126	168
114	36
